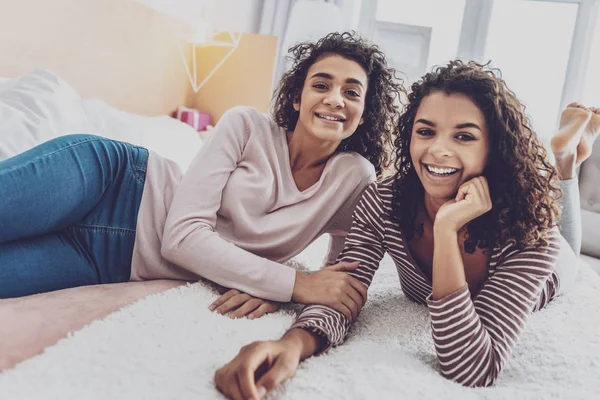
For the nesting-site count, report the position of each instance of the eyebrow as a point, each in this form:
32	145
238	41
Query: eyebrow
459	126
329	76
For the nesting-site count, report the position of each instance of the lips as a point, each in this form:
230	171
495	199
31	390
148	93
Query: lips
330	117
440	171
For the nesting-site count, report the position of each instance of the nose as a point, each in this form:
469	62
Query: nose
334	99
440	147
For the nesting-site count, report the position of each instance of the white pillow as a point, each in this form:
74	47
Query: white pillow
37	107
164	135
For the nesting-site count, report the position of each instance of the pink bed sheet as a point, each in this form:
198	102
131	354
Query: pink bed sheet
30	324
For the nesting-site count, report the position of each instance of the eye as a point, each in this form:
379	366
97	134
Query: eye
464	137
425	132
320	86
352	93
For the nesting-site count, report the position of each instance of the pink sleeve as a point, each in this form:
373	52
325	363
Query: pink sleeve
190	240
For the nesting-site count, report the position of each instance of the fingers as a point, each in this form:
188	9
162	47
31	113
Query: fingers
236	392
236	379
356	299
483	193
263	309
282	369
343	266
353	306
245	380
246	308
341	307
223	299
359	287
227	383
233	302
463	191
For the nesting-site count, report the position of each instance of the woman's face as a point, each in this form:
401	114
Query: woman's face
332	99
449	143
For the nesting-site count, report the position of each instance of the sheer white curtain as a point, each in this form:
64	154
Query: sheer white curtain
309	21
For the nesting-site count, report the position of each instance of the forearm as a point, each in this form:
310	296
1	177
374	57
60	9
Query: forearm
448	270
306	342
205	254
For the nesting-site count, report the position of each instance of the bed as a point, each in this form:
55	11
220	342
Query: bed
168	345
40	105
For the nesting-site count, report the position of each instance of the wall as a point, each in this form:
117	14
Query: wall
234	15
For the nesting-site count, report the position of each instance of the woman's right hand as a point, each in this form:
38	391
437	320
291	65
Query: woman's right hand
332	287
258	368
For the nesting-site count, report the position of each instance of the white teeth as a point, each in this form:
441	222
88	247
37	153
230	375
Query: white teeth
328	117
441	171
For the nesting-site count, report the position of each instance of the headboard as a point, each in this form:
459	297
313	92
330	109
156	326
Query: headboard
120	51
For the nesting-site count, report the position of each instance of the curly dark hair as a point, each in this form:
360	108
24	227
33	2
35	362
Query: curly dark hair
522	182
374	136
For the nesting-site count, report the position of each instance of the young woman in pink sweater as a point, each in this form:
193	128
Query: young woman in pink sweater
83	210
470	220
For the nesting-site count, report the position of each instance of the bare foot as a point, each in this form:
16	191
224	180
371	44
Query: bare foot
584	148
573	122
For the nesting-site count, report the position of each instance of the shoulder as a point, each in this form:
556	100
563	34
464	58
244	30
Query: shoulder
378	195
354	167
543	256
247	117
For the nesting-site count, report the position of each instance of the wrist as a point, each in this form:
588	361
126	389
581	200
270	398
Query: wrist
302	342
441	227
299	283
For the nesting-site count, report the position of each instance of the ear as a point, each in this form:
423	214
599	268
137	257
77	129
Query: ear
296	105
362	121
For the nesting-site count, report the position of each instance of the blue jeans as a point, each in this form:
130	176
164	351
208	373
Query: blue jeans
68	214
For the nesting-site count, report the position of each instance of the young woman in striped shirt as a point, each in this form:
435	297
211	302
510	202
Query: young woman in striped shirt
470	220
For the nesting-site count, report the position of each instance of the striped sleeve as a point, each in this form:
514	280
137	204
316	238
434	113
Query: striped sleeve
473	339
364	244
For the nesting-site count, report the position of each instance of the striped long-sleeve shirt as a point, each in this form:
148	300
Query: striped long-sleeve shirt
473	337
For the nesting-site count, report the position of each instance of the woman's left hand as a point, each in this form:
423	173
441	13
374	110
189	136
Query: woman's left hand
472	200
253	307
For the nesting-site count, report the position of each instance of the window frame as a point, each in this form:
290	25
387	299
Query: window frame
474	33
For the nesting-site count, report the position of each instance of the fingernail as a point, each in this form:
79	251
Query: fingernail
212	307
261	392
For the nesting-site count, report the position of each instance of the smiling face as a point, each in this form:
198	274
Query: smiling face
449	143
332	99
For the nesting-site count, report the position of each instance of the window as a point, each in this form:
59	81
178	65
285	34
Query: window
530	42
591	86
444	17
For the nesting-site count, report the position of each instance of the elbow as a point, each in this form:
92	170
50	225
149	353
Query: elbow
473	380
172	245
177	248
168	249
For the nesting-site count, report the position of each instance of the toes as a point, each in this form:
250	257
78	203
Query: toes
577	105
595	110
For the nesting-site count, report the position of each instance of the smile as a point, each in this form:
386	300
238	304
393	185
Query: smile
440	171
330	118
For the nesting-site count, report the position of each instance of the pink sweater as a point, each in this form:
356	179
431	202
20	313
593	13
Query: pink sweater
237	214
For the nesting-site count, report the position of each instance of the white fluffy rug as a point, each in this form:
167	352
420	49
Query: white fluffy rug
168	346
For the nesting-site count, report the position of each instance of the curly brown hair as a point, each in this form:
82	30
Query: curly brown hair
381	113
522	182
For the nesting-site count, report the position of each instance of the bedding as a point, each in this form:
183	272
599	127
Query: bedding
37	107
169	345
40	106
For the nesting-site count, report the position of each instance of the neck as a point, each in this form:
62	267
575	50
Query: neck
432	206
306	152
